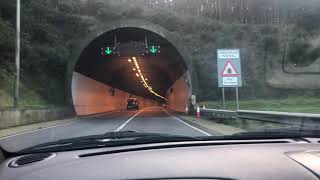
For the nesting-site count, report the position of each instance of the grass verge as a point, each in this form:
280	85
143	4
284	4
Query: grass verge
301	104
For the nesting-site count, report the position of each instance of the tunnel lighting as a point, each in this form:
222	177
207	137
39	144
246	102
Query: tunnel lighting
129	60
143	80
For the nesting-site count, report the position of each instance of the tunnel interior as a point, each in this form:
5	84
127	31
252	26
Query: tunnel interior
118	60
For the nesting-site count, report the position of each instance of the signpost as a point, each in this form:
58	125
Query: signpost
229	71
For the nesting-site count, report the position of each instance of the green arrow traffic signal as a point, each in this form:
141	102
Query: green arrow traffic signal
153	49
108	51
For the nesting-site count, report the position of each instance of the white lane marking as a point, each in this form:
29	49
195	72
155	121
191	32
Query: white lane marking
39	129
125	123
188	124
18	134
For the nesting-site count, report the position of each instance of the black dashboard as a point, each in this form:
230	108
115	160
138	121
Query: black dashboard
260	159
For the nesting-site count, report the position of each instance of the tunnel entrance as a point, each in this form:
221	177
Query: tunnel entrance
130	62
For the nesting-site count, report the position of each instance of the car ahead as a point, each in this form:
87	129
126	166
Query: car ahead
132	104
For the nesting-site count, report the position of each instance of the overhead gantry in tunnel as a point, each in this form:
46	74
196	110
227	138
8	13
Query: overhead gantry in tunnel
130	62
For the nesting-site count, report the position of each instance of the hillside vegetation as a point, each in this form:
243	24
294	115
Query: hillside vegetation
261	29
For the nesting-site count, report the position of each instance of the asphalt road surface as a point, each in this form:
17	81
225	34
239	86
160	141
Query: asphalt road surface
154	120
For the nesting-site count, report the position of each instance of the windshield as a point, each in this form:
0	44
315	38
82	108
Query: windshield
174	68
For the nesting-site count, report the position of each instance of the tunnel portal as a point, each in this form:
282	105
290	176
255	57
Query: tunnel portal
130	62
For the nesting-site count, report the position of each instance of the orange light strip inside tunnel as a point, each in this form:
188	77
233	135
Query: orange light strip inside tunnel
138	73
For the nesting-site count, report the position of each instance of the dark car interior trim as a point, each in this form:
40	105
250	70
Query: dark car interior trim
180	146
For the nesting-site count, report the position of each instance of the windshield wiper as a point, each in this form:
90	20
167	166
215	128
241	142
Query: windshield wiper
105	140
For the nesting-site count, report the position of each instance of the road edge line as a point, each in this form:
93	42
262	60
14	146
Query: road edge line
203	132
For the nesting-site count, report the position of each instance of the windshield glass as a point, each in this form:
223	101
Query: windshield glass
181	68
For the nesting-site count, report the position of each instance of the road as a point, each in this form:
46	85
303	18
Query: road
153	119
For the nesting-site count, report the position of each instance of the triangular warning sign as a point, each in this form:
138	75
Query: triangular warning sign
229	70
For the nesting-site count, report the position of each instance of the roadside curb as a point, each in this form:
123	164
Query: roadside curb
212	132
205	129
19	130
99	114
216	127
14	131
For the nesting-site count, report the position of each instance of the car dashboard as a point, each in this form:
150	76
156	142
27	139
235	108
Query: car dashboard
254	159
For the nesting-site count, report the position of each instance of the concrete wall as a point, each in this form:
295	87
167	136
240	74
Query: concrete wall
179	97
91	97
277	78
19	117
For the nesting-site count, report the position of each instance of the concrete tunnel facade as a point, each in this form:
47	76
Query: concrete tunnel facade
95	91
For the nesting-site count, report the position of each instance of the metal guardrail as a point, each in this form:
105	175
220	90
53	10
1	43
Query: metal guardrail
289	114
218	113
267	116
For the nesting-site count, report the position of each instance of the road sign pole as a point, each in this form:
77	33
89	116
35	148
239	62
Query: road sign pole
237	97
223	99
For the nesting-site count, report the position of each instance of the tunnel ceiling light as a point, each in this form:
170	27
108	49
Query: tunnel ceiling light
129	60
134	69
143	80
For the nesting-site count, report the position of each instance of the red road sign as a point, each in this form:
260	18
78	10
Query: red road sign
229	70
